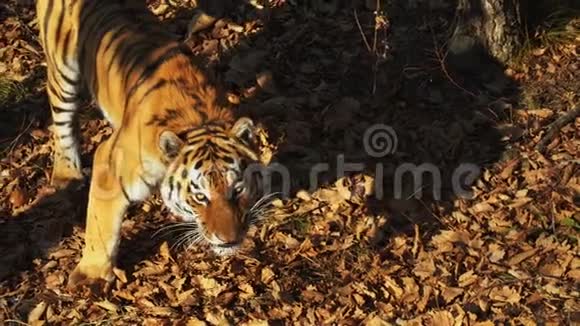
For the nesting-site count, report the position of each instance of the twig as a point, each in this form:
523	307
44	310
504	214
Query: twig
555	127
377	9
320	206
441	59
376	65
14	142
18	322
361	32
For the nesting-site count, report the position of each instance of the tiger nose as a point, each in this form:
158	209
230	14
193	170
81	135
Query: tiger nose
228	241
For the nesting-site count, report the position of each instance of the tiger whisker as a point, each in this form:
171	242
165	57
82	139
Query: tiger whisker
258	216
190	240
174	228
181	240
264	200
168	233
197	238
261	214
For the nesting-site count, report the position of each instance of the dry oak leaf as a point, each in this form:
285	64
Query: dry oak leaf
444	241
312	295
399	245
574	274
55	280
278	313
422	304
554	270
216	318
187	298
481	208
169	291
36	313
541	113
257	322
267	275
107	305
411	290
266	81
518	258
467	279
505	294
425	268
210	286
356	188
18	197
450	293
393	288
120	274
331	196
247	291
496	253
62	253
164	251
442	318
363	289
553	289
288	241
192	321
376	321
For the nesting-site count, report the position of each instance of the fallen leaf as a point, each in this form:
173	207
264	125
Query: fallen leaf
107	305
36	313
450	293
516	259
505	294
18	197
442	318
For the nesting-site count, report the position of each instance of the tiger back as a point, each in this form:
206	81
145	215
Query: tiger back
173	131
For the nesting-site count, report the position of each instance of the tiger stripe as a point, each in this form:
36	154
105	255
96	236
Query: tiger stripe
172	130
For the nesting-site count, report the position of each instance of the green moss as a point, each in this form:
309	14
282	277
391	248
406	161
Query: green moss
560	27
11	92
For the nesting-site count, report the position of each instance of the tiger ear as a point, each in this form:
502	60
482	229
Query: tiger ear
170	144
245	131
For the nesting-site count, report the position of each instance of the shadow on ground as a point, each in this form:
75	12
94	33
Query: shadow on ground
327	90
332	88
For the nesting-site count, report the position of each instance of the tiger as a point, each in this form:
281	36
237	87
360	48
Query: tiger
174	132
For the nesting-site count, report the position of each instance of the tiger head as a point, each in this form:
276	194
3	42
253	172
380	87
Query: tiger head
207	186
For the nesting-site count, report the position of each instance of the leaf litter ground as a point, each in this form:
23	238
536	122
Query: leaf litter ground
316	79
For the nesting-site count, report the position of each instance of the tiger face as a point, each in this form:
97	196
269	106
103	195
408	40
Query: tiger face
207	186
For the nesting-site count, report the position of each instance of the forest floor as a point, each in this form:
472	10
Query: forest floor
334	252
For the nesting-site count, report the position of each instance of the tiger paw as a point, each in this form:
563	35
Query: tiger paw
97	279
64	178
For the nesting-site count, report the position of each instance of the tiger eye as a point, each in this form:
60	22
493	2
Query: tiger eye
200	197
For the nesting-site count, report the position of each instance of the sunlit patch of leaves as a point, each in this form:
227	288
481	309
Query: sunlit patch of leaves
507	254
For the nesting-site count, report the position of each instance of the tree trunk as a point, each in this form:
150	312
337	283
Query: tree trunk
486	28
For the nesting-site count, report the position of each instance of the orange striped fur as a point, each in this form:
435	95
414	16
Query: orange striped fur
172	130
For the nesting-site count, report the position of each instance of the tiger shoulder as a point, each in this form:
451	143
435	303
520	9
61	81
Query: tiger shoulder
173	132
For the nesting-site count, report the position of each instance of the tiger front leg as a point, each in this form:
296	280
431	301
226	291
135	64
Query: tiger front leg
64	105
107	204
